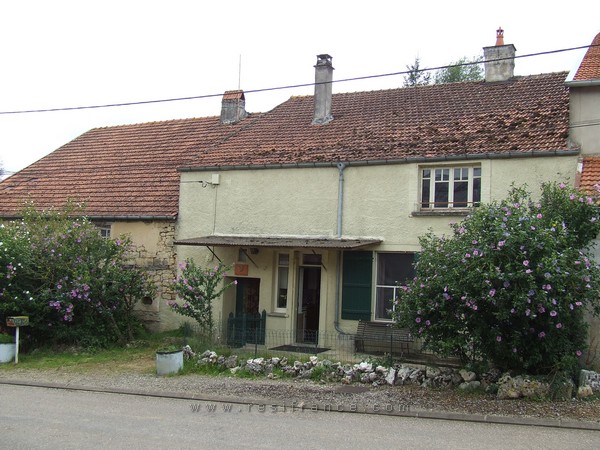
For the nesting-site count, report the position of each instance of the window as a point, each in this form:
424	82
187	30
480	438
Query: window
104	231
283	272
450	187
393	270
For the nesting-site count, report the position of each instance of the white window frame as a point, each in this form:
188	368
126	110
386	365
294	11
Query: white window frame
440	174
394	287
279	266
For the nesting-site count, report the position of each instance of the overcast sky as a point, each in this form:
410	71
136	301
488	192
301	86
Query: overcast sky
62	53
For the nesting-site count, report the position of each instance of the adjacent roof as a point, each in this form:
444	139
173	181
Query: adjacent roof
279	242
525	114
589	69
130	172
590	174
127	171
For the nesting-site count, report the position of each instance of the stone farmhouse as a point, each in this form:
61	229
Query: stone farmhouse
318	204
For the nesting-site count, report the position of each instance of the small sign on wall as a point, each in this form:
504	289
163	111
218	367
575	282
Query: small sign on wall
240	269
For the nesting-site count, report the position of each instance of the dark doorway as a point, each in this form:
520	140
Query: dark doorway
309	303
246	296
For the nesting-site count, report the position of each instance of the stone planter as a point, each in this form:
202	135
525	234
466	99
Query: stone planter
168	363
7	352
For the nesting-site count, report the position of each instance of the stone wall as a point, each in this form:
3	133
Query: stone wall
155	252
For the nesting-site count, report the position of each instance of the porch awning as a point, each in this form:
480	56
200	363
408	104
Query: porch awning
280	242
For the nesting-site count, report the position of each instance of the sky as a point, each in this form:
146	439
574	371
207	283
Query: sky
76	53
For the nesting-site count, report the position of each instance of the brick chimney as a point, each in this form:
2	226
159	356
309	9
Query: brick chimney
323	79
499	60
233	107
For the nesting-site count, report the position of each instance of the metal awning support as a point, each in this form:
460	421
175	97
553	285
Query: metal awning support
248	256
213	253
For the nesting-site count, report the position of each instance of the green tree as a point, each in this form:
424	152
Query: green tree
76	286
511	285
198	288
462	70
416	76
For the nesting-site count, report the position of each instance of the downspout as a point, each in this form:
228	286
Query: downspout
338	276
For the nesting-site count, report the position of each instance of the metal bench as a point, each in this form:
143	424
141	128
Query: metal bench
382	337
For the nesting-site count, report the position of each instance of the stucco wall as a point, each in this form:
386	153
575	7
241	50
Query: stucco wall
379	202
584	114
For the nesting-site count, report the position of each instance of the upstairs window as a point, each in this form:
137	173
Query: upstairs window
450	187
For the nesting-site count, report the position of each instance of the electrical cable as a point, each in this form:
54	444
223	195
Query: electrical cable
295	86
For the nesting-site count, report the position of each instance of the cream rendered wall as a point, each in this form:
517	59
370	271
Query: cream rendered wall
584	116
378	203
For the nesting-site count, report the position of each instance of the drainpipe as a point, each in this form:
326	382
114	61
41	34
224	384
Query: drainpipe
338	276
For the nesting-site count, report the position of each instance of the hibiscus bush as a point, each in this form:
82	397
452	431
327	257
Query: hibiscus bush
198	288
511	285
75	286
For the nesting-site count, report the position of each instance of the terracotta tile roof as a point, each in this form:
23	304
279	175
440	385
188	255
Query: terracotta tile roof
128	170
589	69
590	174
523	115
131	171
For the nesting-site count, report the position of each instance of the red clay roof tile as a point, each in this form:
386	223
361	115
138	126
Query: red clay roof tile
131	170
589	69
590	175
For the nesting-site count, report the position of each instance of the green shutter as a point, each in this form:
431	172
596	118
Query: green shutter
357	285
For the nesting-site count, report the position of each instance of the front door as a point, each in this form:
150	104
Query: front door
246	296
309	302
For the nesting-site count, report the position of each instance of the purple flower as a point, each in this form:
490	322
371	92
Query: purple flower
501	243
553	313
578	353
418	320
541	335
526	263
562	185
539	216
492	292
498	338
427	322
559	325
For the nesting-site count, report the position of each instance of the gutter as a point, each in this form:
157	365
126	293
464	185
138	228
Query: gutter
382	162
583	83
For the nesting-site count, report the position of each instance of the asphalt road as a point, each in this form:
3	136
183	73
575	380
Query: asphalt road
42	418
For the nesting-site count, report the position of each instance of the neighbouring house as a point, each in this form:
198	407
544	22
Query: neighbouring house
317	204
584	130
127	178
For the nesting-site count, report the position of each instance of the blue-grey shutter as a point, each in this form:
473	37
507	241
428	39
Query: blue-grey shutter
357	279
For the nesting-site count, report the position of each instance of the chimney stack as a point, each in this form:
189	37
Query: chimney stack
499	60
323	79
233	107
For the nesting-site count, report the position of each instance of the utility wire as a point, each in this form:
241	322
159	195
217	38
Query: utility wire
293	86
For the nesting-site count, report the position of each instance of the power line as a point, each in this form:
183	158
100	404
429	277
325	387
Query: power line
293	86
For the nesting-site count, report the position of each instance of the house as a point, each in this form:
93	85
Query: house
585	126
127	178
317	204
320	202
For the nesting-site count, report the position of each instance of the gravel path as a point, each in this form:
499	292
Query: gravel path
308	393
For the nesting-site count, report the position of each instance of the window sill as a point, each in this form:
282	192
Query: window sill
277	314
444	212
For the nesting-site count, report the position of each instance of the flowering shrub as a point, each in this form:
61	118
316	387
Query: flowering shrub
511	284
198	288
74	284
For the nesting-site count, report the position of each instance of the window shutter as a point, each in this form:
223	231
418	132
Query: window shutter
357	285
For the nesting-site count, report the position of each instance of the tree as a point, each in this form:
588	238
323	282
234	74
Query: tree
198	288
511	285
416	76
76	286
461	70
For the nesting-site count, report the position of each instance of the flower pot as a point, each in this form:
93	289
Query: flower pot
7	352
168	363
